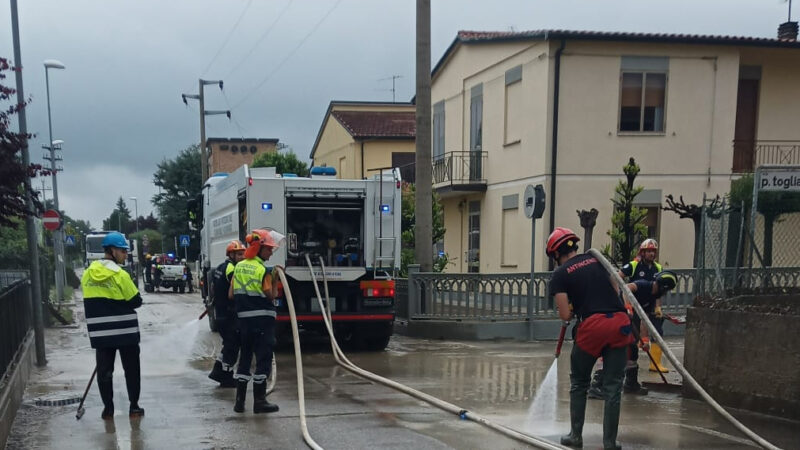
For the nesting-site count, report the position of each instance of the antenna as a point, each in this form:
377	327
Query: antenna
393	78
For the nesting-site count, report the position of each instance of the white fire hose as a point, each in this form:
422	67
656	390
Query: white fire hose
342	360
671	356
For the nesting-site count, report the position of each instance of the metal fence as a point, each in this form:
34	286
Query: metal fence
737	257
15	319
498	297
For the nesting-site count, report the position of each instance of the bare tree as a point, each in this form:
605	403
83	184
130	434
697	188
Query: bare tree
691	211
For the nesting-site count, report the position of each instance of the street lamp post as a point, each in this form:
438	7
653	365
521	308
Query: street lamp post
136	211
58	236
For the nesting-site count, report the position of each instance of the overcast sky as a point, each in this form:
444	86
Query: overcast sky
117	105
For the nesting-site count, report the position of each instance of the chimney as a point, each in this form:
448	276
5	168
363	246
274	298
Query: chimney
787	31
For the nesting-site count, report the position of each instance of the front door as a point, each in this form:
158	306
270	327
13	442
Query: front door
744	156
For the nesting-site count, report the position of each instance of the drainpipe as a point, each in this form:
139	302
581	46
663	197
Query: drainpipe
362	159
713	110
554	151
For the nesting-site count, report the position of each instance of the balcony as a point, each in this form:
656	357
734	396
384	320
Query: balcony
747	155
456	172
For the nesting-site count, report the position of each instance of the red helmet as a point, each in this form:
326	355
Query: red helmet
255	239
560	238
648	244
234	246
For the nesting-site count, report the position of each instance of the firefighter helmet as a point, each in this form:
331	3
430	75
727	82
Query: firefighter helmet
234	246
648	244
667	280
255	239
561	240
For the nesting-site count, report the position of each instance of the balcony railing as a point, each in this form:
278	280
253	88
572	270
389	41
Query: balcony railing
459	170
747	155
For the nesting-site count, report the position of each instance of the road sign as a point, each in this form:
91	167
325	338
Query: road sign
145	240
69	241
184	240
534	201
781	179
51	219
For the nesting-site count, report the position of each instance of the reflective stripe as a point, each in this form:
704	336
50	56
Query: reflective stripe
257	313
105	319
258	379
239	376
114	332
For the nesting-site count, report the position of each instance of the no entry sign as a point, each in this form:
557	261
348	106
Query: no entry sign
51	219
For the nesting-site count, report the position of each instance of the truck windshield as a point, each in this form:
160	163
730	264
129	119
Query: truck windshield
94	244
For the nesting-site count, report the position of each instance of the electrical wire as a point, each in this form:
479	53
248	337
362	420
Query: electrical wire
227	38
259	40
278	67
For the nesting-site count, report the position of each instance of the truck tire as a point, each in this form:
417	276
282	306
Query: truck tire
376	343
182	289
175	289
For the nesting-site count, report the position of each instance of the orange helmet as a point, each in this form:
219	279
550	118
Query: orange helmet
234	246
255	239
559	239
648	244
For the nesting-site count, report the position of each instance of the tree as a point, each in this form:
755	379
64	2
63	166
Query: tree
283	162
179	181
771	205
120	218
627	221
13	173
408	227
691	211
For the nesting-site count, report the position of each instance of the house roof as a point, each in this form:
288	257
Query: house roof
366	124
214	140
470	37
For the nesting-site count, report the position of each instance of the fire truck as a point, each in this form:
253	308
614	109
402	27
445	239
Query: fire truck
349	227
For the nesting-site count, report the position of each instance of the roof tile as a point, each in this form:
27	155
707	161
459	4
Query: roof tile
372	124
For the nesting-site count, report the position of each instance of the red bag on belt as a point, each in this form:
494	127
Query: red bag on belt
603	330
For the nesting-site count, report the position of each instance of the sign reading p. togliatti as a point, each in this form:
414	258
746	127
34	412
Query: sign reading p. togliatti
778	179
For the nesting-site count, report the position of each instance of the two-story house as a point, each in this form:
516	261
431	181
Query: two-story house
357	138
566	109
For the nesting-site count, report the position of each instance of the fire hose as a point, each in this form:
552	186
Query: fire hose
343	361
671	356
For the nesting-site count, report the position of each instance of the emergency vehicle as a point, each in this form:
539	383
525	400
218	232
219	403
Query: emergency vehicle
352	226
94	251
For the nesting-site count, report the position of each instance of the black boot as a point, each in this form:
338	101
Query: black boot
260	403
108	412
135	410
241	393
217	374
227	379
596	388
571	440
632	385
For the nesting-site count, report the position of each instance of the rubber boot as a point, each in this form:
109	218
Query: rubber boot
577	414
632	385
108	412
217	374
227	379
260	403
596	388
241	394
135	410
655	352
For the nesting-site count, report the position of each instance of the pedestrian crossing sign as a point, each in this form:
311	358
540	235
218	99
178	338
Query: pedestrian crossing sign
69	240
184	240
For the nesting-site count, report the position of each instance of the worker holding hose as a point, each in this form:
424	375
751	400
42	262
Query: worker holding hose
583	288
254	291
225	316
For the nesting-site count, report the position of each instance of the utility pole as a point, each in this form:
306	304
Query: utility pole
30	225
44	191
203	113
423	245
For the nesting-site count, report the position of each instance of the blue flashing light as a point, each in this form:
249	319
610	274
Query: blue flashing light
385	208
319	170
171	255
289	175
266	206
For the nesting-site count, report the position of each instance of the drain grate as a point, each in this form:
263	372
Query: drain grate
59	402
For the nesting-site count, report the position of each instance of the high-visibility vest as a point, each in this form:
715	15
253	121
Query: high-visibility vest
251	301
109	299
634	276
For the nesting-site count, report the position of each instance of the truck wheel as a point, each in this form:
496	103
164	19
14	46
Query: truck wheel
175	289
182	289
376	343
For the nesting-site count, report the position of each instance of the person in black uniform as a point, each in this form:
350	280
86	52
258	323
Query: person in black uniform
225	316
583	288
648	293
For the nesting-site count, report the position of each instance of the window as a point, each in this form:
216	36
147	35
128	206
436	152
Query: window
509	242
513	106
651	221
438	131
643	88
476	118
234	149
253	149
473	256
406	163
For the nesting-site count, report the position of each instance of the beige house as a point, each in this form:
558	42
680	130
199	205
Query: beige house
567	109
228	154
358	137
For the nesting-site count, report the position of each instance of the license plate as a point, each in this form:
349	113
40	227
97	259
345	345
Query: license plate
315	304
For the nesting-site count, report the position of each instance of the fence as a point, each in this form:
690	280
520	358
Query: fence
738	257
15	318
499	297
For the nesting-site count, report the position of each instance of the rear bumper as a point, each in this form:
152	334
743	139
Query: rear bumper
342	317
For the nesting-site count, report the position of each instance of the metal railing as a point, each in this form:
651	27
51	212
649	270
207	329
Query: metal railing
9	277
747	155
498	297
459	168
15	320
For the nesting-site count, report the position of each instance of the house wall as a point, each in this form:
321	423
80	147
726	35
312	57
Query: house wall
779	93
378	153
226	161
334	144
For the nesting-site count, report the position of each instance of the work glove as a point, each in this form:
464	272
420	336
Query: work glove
658	313
629	308
644	343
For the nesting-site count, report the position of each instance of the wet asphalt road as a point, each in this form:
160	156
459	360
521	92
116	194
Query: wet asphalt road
499	380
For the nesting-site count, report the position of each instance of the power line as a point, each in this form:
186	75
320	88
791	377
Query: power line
258	42
228	37
278	67
235	121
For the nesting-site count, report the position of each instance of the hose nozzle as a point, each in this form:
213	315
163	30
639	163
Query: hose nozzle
561	336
